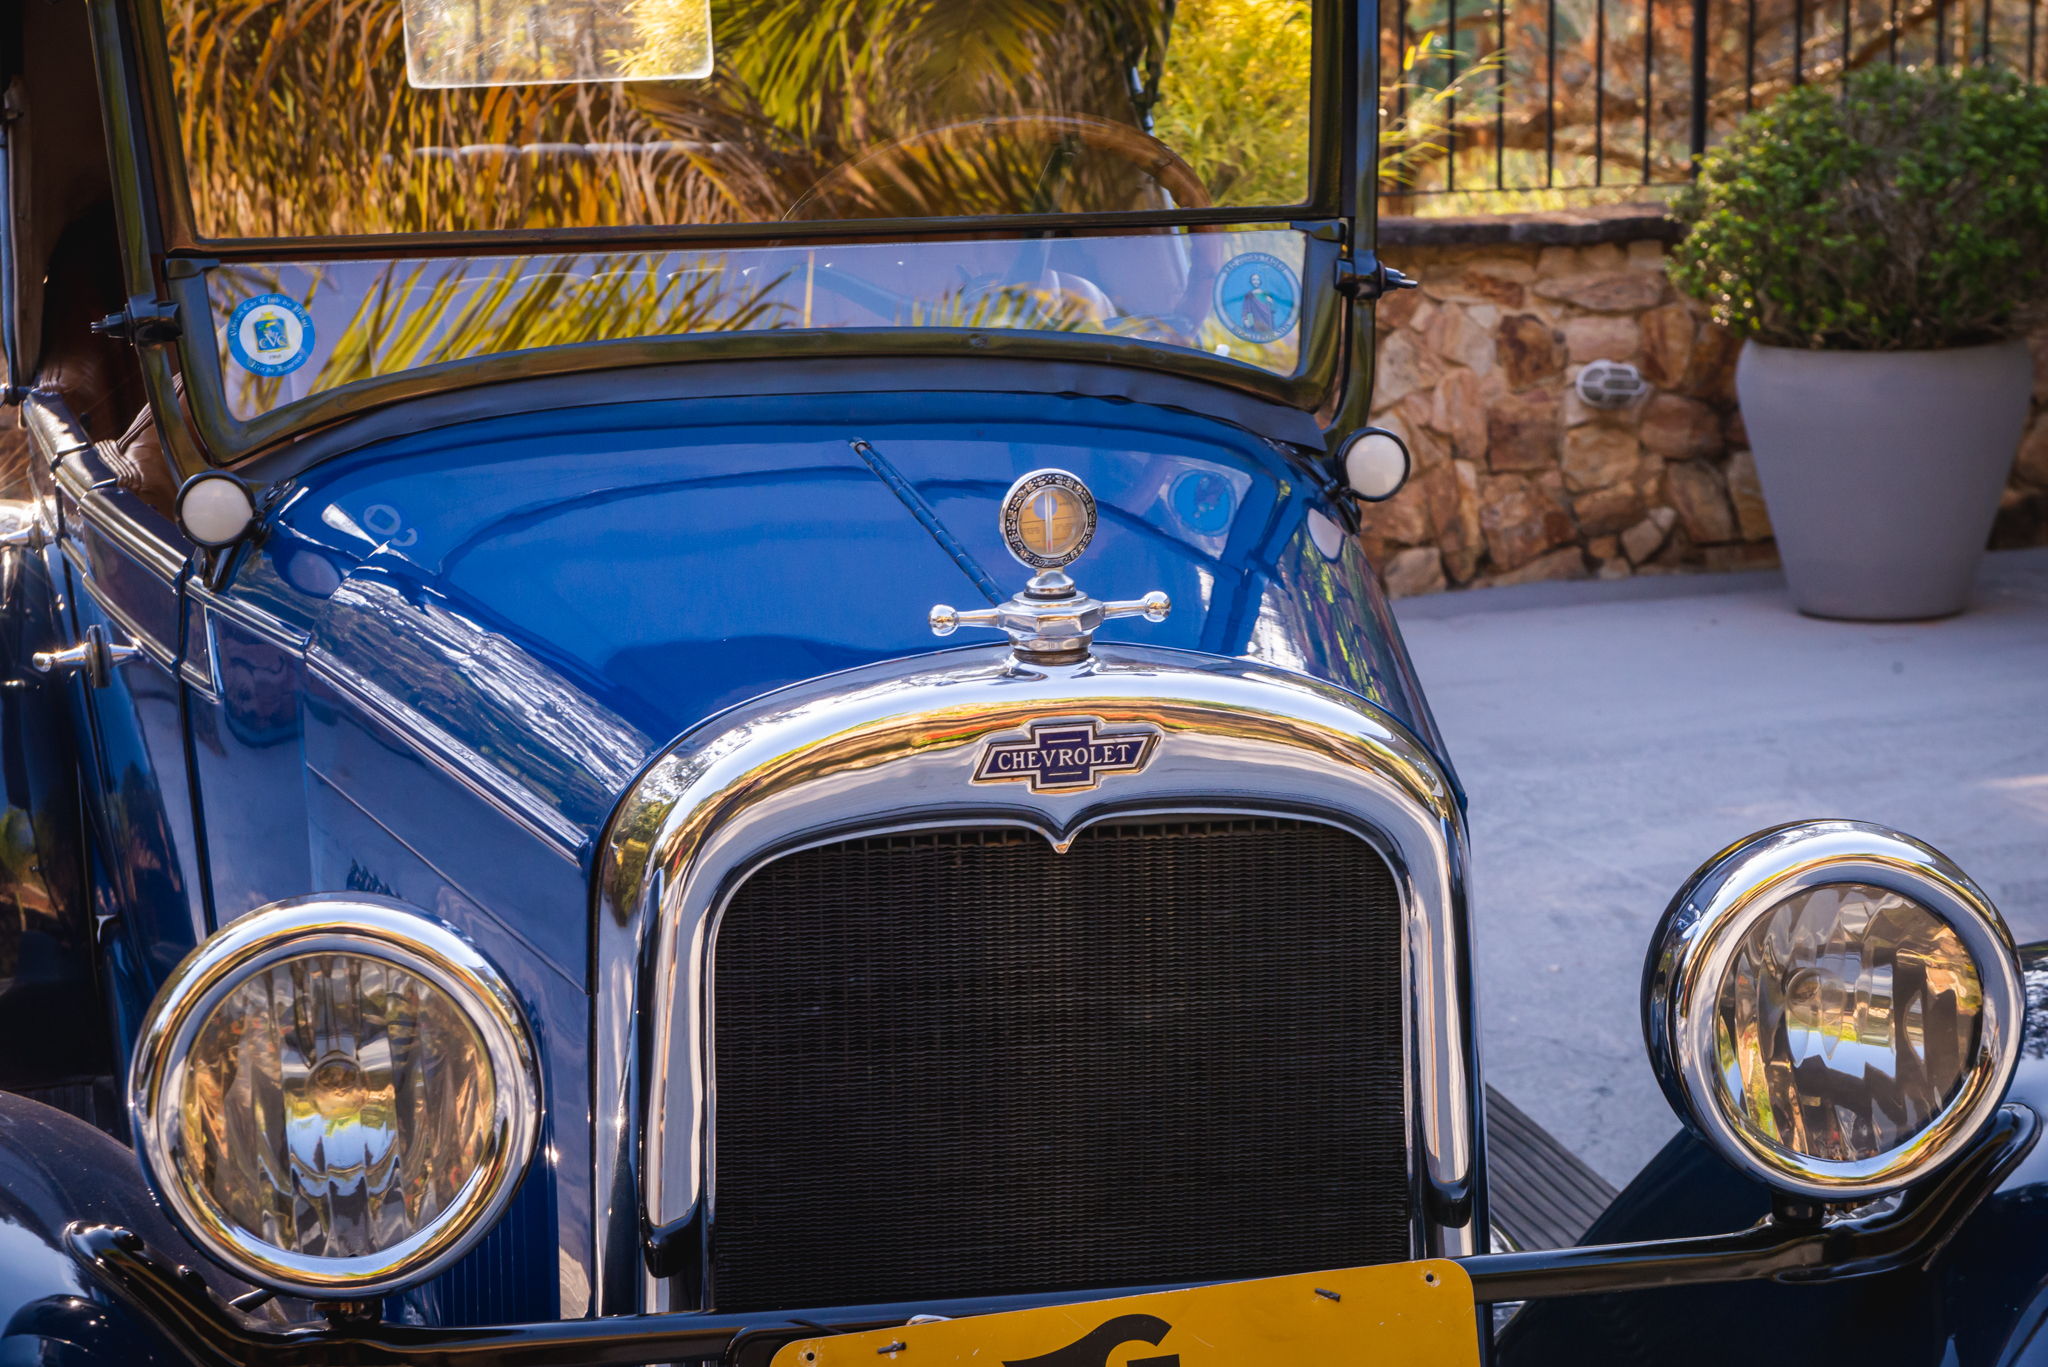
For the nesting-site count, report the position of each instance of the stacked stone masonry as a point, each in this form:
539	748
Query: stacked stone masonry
1516	479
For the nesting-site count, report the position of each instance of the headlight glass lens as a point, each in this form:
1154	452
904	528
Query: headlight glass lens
333	1104
1847	1020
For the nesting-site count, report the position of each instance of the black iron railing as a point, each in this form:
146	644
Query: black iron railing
1553	95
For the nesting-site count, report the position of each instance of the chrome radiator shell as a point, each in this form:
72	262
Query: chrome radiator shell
895	747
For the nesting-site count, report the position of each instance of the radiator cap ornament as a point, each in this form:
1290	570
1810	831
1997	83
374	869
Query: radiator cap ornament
1048	519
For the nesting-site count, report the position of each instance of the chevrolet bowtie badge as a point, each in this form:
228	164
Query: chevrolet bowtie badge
1065	756
1048	519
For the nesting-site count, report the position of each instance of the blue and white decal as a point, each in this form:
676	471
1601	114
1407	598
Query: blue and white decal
271	334
1065	756
1205	501
1257	297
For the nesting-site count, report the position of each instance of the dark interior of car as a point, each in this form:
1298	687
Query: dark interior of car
68	250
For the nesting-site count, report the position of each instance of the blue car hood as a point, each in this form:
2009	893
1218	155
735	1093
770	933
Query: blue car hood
565	593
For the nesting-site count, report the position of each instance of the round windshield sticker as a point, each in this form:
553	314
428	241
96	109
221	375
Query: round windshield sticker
270	335
1257	297
1204	501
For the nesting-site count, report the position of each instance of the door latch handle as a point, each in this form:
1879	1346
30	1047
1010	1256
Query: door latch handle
93	655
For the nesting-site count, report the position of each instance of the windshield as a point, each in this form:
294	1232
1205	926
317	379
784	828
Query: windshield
287	331
317	118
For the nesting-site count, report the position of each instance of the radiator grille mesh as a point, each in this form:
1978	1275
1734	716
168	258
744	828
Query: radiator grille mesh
959	1063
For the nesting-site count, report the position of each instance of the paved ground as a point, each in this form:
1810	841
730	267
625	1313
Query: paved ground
1612	736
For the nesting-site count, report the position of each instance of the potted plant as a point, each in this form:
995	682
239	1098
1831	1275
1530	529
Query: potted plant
1883	247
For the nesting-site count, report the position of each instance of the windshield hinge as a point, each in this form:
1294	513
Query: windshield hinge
1368	278
143	322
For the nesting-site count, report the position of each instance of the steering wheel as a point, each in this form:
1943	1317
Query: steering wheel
1128	144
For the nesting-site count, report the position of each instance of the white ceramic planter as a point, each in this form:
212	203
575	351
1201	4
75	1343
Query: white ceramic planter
1883	469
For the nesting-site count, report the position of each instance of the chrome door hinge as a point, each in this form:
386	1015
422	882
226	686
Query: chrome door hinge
143	322
1368	278
93	655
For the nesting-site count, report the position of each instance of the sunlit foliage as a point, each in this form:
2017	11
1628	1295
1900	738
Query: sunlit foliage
297	118
1901	211
1234	99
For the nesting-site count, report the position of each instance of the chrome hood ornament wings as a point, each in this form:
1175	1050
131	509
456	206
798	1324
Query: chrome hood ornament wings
1048	519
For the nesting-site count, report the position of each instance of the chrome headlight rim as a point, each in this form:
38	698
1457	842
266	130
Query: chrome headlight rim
1705	926
371	927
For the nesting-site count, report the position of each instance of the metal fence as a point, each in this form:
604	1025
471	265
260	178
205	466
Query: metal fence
1542	96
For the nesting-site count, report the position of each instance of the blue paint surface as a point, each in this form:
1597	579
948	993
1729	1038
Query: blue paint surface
451	655
553	598
667	560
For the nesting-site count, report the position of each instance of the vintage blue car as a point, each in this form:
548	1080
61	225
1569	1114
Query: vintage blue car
514	851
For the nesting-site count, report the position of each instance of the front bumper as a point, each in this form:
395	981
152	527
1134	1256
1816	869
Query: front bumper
1796	1245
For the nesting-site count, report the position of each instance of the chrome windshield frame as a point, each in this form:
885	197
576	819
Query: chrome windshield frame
893	746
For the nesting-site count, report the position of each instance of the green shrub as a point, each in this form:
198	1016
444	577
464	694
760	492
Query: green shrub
1909	210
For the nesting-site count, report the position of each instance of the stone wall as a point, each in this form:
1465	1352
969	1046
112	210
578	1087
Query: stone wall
1515	478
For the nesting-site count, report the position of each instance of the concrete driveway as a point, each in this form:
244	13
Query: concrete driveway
1612	736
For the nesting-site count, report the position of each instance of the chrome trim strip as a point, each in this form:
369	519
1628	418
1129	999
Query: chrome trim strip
373	927
275	630
1705	925
895	745
518	802
163	655
215	608
200	682
111	522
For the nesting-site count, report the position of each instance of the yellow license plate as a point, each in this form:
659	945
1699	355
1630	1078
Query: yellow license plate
1401	1315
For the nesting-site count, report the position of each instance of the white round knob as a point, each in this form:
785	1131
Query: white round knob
1375	465
1157	605
945	620
214	509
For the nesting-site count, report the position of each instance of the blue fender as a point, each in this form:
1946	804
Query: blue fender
56	1170
51	1012
1982	1301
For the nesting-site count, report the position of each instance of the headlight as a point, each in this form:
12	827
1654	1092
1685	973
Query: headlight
1834	1006
335	1097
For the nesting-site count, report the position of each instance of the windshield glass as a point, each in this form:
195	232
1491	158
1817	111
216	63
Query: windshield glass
342	117
287	331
